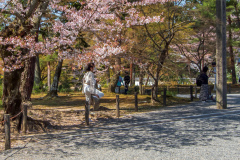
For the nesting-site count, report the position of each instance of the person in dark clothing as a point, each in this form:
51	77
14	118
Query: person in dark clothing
204	86
127	81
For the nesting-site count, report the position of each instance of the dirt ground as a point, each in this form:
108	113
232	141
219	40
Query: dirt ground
66	112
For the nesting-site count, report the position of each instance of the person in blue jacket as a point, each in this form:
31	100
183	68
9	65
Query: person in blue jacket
119	83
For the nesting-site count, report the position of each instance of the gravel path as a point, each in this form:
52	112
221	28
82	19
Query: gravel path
193	131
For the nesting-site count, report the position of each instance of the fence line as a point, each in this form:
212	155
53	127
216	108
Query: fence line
12	117
6	122
24	111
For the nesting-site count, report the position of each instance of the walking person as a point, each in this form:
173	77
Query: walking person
92	94
126	82
119	84
204	87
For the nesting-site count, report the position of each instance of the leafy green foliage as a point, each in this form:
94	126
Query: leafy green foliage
39	88
170	93
65	80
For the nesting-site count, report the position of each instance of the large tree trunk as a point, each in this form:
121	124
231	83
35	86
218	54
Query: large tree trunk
27	79
26	86
54	87
12	98
49	76
234	81
115	77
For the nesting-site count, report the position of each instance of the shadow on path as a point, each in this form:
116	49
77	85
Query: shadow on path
148	137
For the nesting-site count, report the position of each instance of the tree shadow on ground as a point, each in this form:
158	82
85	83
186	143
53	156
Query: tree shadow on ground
171	130
157	137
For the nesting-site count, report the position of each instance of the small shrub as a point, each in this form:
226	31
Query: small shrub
105	85
170	93
65	87
39	88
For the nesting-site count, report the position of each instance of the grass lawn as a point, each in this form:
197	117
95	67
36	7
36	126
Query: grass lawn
76	101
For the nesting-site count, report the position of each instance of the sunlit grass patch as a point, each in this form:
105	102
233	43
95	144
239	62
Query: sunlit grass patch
76	100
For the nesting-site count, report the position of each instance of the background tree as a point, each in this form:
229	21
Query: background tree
157	38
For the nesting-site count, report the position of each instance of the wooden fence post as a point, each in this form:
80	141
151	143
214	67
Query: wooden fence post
136	102
164	96
195	88
87	113
117	106
229	89
25	118
191	93
178	89
7	131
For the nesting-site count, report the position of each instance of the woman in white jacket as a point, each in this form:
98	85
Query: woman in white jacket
92	94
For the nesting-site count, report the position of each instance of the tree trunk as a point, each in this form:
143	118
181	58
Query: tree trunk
234	81
133	75
12	98
147	81
108	75
115	77
154	97
37	77
162	58
221	55
27	79
54	87
141	81
49	76
131	72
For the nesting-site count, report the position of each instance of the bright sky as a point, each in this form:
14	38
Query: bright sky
2	2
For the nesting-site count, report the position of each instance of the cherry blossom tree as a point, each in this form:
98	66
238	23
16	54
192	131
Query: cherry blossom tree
17	46
20	22
198	48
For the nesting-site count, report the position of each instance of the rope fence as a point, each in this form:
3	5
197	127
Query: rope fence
6	123
12	117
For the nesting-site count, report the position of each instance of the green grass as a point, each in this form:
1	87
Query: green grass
76	101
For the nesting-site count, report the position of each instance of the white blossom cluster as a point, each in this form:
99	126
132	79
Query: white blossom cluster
92	17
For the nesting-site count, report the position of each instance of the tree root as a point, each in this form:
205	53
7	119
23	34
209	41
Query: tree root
37	125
